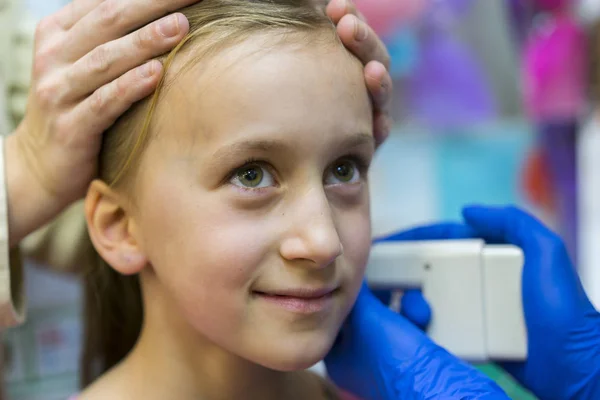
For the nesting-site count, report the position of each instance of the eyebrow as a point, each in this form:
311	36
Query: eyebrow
267	145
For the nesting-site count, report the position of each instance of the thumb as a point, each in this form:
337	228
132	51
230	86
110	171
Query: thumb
415	308
505	225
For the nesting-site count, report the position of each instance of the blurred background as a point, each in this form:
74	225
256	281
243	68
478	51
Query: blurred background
495	103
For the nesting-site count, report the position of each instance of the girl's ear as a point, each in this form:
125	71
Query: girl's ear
110	228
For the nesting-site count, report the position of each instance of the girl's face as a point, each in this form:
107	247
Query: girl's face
252	201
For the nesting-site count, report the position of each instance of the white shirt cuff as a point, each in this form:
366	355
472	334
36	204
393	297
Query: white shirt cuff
12	296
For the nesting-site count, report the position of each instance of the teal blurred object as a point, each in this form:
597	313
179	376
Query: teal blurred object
481	165
403	47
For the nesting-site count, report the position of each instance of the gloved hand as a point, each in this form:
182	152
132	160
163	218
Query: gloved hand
380	355
563	328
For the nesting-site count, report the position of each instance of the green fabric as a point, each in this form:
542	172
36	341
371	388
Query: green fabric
506	382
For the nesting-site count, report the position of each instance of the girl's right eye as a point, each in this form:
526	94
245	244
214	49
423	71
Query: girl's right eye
252	176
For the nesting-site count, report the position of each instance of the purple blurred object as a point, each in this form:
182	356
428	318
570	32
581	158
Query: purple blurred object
448	88
445	14
558	142
521	14
553	5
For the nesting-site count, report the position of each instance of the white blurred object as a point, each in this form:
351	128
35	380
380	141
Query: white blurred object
38	9
402	183
589	10
6	32
589	207
17	28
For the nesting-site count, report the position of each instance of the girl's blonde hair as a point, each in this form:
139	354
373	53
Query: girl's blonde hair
114	310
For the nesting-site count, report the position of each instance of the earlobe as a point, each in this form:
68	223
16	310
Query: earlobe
109	228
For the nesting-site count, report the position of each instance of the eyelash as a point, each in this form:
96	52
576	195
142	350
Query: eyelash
361	162
248	162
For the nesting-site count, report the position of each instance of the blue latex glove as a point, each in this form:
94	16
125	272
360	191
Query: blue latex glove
380	355
563	328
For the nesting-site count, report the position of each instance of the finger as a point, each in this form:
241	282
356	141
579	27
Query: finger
67	16
362	41
107	62
380	85
550	278
382	126
336	9
508	225
445	231
415	308
113	19
101	109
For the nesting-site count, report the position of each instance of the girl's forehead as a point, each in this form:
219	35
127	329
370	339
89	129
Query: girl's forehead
250	87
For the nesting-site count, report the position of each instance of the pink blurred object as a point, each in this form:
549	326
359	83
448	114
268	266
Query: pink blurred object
385	16
552	5
555	70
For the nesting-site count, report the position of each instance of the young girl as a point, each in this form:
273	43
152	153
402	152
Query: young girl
235	219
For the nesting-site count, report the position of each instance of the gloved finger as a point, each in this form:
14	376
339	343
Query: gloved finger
415	308
508	225
548	265
364	302
552	291
432	232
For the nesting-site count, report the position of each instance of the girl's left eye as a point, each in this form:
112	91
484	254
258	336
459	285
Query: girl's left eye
344	171
253	176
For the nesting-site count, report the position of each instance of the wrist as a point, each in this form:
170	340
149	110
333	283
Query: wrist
30	205
457	379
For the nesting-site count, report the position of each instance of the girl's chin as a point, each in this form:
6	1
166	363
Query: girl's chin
296	359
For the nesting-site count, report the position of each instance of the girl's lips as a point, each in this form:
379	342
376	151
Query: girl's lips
303	301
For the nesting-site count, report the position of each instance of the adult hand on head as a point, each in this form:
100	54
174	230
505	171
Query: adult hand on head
361	40
90	65
563	328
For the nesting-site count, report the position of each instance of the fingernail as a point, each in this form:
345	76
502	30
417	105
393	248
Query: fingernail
385	88
169	26
361	31
147	70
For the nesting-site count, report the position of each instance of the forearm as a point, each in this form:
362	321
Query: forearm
29	205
